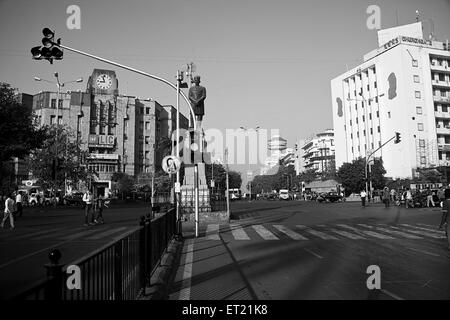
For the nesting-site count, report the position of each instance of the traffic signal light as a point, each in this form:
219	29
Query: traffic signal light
50	49
397	137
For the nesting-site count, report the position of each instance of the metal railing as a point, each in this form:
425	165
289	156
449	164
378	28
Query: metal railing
118	271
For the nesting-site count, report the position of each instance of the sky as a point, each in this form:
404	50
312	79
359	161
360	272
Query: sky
263	63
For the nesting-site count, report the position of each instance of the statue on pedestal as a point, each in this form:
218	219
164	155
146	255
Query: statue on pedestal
197	96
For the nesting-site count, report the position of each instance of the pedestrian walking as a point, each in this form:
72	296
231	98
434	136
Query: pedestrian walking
408	199
386	196
9	212
19	204
100	207
445	220
441	195
363	195
88	200
429	194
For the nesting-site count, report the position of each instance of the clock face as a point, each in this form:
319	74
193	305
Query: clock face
103	81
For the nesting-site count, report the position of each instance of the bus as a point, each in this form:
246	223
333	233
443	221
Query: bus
235	194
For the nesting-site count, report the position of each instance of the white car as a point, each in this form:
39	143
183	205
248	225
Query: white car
284	194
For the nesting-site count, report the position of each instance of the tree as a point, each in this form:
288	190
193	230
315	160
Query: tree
62	158
235	179
352	175
18	133
123	182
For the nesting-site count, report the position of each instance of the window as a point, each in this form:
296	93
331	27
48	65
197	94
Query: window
359	149
447	139
147	110
379	143
420	126
351	135
371	130
52	119
417	94
376	99
53	104
416	78
362	104
419	110
353	150
375	84
364	119
421	143
364	132
415	63
378	114
378	128
372	145
370	116
423	160
440	155
345	127
350	122
368	88
356	107
435	108
356	120
389	114
444	108
102	129
147	125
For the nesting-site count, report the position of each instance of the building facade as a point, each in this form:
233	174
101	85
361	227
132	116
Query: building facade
402	86
121	133
319	151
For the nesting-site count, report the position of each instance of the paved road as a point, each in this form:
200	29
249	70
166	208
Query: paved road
24	250
308	250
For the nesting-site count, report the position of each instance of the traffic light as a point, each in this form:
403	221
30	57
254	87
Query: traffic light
397	137
50	49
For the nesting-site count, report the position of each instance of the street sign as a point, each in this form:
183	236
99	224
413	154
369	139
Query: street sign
171	164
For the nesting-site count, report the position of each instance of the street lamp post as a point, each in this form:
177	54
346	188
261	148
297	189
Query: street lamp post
366	102
59	85
256	129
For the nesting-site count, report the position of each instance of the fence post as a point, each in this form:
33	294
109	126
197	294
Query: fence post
54	288
118	270
142	254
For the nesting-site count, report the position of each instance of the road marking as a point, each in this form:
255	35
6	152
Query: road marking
292	234
424	252
393	232
22	236
106	233
211	232
238	232
264	233
56	234
420	228
81	234
396	297
185	293
319	234
366	232
347	234
423	233
313	253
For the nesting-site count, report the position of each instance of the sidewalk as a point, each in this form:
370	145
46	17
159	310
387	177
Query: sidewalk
202	265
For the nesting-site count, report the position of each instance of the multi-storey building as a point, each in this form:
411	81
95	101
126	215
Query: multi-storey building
402	86
122	133
318	151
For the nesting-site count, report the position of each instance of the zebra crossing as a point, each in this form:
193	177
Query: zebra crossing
95	233
334	232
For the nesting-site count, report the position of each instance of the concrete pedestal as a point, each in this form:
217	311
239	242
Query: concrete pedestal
188	190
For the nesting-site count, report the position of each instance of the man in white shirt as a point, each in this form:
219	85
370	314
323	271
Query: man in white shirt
9	209
88	200
19	203
363	195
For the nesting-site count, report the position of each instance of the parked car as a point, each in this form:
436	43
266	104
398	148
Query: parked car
74	199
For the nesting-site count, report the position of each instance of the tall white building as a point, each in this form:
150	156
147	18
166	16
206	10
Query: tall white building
318	151
402	86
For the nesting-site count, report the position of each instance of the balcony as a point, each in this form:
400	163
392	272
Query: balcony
440	83
437	67
440	114
443	130
441	99
444	147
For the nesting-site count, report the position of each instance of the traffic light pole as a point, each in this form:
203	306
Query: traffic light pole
135	71
368	159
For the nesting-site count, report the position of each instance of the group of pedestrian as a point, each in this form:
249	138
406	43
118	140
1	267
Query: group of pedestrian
13	208
91	205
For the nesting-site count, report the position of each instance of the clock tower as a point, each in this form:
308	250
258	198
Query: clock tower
103	82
